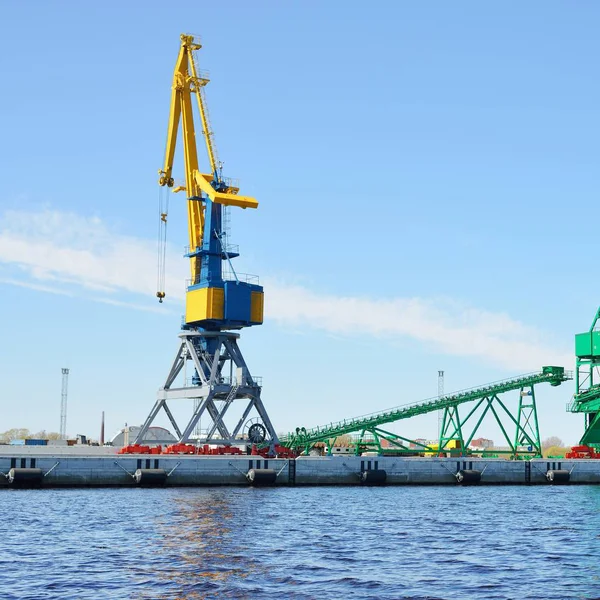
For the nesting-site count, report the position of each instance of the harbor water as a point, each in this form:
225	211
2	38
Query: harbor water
414	543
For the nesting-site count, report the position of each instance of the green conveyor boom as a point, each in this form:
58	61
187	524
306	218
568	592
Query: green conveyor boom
527	428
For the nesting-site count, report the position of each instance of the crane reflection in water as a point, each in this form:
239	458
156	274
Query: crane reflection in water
204	544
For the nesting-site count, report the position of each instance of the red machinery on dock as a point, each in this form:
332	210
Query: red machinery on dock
582	452
206	450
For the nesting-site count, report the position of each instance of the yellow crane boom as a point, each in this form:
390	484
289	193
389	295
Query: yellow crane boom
207	193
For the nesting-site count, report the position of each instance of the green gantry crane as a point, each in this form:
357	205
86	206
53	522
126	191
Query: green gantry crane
453	432
586	399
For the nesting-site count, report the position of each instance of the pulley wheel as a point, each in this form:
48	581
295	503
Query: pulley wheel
257	433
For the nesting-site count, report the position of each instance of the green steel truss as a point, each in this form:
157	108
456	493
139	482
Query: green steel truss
520	431
586	399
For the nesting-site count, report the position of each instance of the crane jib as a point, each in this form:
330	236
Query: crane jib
217	297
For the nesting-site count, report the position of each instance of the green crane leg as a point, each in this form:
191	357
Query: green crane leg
498	420
377	442
525	434
392	437
450	419
527	422
479	421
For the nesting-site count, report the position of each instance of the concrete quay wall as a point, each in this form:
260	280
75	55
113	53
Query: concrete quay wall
430	470
119	469
103	467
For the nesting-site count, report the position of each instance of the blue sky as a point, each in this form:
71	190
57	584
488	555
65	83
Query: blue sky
426	178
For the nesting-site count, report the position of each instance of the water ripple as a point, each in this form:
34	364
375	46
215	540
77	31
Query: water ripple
391	543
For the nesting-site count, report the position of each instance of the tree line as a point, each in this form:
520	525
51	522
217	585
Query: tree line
25	434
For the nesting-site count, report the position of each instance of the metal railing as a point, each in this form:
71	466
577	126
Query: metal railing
227	248
232	182
195	36
227	380
229	275
224	380
584	396
203	75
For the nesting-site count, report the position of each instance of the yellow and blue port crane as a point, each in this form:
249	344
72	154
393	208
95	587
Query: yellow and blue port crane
218	299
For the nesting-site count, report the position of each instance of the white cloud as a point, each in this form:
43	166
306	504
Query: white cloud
445	325
58	252
35	286
66	250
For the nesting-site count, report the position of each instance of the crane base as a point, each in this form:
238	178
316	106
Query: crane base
221	379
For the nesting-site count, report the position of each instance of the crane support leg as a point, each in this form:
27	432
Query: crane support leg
221	380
